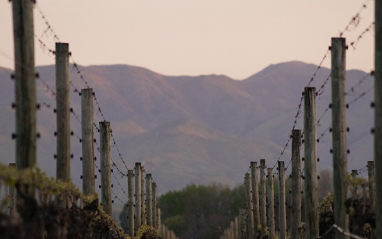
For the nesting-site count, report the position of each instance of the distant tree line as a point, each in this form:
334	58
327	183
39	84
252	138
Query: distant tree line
200	211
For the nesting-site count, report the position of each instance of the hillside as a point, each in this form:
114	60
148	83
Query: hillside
198	129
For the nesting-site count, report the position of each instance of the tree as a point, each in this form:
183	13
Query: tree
200	211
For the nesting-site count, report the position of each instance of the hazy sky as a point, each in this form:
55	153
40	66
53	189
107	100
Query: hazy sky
191	37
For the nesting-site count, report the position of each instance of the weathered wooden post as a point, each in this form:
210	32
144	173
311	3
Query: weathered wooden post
130	188
262	200
255	197
149	200
282	209
310	194
165	233
154	205
87	122
25	84
105	155
231	231
235	228
248	196
143	213
295	214
370	173
162	231
138	199
270	206
242	222
63	112
339	140
159	222
378	115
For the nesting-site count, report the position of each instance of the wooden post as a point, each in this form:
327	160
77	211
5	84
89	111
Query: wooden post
63	112
310	150
255	197
87	141
235	228
143	213
12	194
242	223
295	212
378	116
165	233
138	199
130	188
370	173
159	223
248	196
282	209
149	204
154	205
231	230
270	206
339	140
25	83
162	231
262	200
105	155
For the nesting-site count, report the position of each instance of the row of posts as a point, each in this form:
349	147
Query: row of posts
251	223
141	210
26	133
260	216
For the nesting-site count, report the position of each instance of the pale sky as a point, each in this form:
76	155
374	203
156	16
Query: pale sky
236	38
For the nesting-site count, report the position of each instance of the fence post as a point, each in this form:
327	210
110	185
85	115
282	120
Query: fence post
105	155
63	112
25	84
143	194
235	228
138	191
271	205
130	188
282	209
159	219
248	196
231	230
339	140
262	200
310	150
87	141
242	216
296	185
378	116
154	205
370	173
149	205
255	197
165	233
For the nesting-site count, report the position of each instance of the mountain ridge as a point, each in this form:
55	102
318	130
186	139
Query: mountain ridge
180	127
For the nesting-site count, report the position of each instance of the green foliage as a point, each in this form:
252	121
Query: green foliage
146	231
200	211
176	223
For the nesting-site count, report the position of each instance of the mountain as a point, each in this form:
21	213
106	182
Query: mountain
193	129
